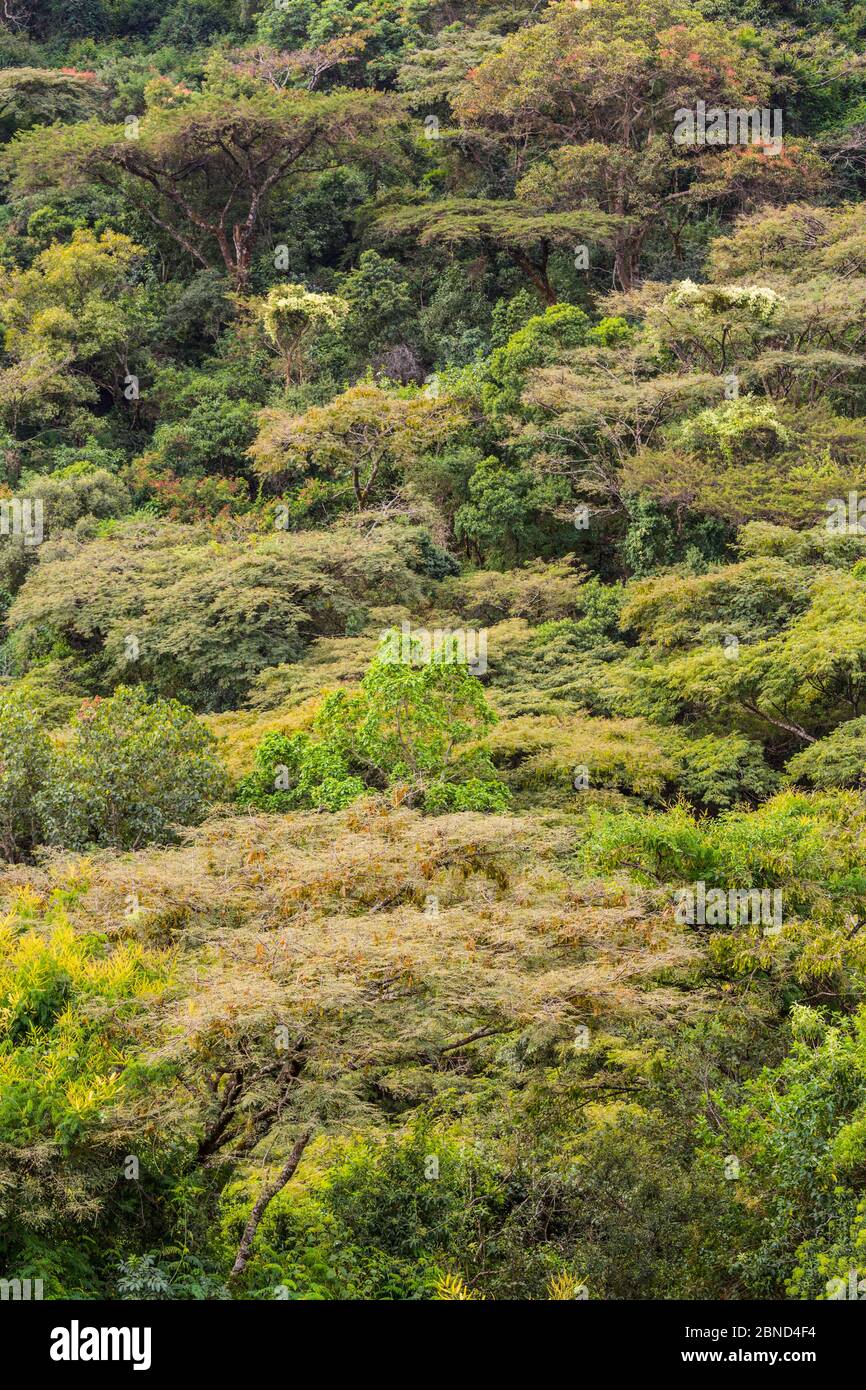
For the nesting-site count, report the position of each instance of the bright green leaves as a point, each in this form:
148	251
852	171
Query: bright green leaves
133	770
130	771
415	729
67	1003
26	761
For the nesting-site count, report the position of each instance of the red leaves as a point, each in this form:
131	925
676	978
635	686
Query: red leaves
89	709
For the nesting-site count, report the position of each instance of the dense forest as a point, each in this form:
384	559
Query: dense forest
433	649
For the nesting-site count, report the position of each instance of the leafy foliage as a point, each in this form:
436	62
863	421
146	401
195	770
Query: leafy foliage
406	731
132	771
339	341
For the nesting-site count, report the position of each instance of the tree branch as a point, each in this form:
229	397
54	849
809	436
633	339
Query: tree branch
264	1201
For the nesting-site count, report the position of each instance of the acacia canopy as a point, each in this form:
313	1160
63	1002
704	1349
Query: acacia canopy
202	166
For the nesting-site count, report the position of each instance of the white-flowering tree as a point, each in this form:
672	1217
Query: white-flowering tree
291	316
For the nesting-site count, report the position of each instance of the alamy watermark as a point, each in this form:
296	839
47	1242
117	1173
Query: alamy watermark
854	1287
727	125
22	516
718	907
846	516
77	1343
21	1290
419	646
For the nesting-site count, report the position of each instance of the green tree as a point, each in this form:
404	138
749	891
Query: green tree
292	316
72	322
359	442
800	1134
133	771
26	777
69	1071
204	166
596	89
35	96
196	618
525	235
416	727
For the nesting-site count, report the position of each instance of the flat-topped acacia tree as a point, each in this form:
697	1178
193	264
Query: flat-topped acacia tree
202	165
515	228
576	116
359	443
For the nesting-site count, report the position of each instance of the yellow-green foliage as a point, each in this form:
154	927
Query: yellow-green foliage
451	1288
72	1004
537	591
627	755
407	1005
239	732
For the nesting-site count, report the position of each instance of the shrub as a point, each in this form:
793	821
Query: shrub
412	727
374	1225
720	771
68	1069
836	761
25	777
292	771
134	770
800	1131
541	340
210	615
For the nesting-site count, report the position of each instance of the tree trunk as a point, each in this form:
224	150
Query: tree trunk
261	1206
625	263
536	272
627	249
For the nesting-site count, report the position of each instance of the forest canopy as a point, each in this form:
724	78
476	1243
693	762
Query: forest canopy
433	649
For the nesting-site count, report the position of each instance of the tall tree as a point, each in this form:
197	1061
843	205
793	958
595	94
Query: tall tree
203	166
516	228
592	91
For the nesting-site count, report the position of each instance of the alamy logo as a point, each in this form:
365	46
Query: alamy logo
22	517
715	907
852	1287
77	1343
20	1290
847	518
722	125
419	646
